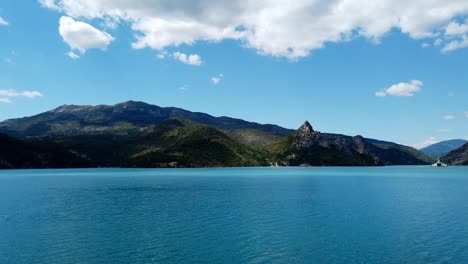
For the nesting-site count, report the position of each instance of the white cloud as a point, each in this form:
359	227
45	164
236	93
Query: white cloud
449	117
272	27
82	36
4	94
455	28
456	44
192	59
217	79
184	87
425	45
402	89
443	130
425	143
5	100
3	22
73	55
14	93
50	4
163	54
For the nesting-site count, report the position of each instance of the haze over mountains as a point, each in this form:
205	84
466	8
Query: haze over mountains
137	134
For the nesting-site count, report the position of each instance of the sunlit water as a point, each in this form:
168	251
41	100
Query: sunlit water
249	215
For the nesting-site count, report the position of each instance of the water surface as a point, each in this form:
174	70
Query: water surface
235	215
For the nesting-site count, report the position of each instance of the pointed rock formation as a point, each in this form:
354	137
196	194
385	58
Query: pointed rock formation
306	127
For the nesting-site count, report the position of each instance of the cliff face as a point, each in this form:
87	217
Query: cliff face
458	156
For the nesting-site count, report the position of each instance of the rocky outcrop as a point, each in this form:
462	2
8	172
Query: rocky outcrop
307	147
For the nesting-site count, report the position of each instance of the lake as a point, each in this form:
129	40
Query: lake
235	215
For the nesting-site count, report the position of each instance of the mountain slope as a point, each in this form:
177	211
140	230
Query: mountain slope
458	156
252	137
121	119
395	154
309	147
440	149
172	143
42	154
196	145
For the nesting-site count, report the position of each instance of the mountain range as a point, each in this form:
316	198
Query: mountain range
137	134
440	149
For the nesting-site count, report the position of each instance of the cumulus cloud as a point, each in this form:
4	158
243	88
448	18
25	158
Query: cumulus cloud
3	22
217	79
449	117
5	95
455	28
82	36
425	143
277	28
402	89
192	59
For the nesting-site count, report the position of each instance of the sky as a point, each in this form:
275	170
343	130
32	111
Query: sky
392	70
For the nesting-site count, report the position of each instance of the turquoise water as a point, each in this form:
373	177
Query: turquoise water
249	215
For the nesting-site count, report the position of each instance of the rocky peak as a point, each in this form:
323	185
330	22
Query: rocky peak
306	127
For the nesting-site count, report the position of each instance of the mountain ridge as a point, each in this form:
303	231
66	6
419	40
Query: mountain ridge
136	134
126	116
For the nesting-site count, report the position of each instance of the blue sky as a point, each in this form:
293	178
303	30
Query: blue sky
380	77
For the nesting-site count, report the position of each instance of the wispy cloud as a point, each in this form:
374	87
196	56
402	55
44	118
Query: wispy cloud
5	95
449	117
5	100
161	55
192	59
425	143
217	79
3	22
184	87
456	45
425	45
443	130
402	89
72	55
466	114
